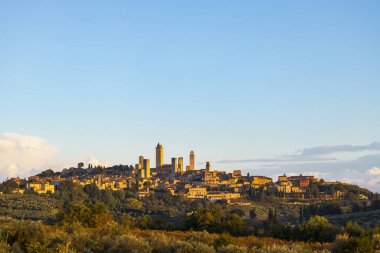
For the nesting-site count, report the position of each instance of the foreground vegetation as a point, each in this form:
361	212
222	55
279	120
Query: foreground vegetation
110	236
92	228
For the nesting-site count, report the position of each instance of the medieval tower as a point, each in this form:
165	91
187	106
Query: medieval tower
159	156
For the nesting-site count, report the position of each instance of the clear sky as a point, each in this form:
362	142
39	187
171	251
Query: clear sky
245	84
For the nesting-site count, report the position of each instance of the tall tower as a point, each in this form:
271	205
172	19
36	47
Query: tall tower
174	166
180	164
140	172
147	168
159	155
141	161
208	166
192	160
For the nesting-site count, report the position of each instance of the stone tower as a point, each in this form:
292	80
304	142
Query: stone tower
192	160
208	166
147	168
180	164
174	166
141	161
159	156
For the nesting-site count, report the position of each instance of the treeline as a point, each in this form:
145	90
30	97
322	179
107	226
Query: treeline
314	191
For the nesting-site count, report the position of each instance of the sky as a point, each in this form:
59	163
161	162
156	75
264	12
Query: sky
267	87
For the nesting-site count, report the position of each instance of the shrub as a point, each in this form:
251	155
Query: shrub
359	245
224	240
187	247
4	247
131	244
160	243
354	229
232	249
376	241
340	243
203	237
283	249
318	229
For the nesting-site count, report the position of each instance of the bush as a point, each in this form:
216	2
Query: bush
376	241
283	249
160	243
359	245
354	229
318	229
202	237
224	240
187	247
131	244
4	247
340	243
87	215
232	249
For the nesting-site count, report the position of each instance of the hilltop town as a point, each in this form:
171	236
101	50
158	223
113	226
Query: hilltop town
187	181
176	199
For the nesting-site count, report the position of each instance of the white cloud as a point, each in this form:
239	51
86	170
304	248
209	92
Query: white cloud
321	154
328	150
94	162
20	155
374	171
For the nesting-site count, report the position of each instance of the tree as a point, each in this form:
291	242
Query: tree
275	216
270	214
354	229
233	224
359	245
145	222
46	173
8	186
301	214
252	213
318	229
87	215
70	193
134	203
147	184
93	192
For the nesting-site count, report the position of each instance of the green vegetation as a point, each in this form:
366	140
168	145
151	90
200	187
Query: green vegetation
86	219
84	236
29	206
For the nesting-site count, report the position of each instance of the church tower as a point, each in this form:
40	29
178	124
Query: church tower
159	156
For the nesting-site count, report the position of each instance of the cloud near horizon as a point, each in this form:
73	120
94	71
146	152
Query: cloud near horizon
315	154
374	171
94	162
23	155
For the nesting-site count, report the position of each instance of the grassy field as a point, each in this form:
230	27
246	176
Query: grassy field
25	206
285	211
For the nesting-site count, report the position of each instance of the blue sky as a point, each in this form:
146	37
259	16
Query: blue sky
231	80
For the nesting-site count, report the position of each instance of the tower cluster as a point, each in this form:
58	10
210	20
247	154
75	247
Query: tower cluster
143	168
176	166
